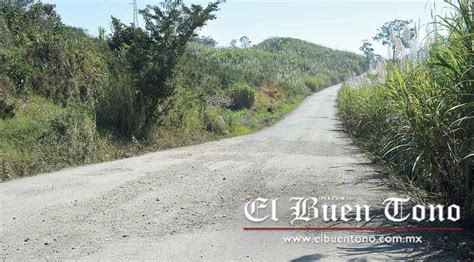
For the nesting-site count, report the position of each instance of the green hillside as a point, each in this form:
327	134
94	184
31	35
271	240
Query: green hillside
313	59
69	99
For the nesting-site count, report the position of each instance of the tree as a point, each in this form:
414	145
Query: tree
205	40
394	32
33	16
245	42
152	53
369	53
367	49
19	4
101	33
233	43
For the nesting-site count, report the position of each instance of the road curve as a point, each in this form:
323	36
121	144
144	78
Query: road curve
187	203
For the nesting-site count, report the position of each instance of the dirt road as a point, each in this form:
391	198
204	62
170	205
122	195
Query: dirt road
187	203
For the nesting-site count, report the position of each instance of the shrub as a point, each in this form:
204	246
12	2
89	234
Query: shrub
40	54
7	108
214	122
242	96
42	137
182	112
117	108
316	83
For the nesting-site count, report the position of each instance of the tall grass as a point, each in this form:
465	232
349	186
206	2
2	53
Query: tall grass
420	120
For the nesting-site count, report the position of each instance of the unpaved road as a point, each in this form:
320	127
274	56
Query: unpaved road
187	203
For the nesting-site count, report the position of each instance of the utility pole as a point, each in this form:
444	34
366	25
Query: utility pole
135	14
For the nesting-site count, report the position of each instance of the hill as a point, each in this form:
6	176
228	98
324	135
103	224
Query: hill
315	59
70	99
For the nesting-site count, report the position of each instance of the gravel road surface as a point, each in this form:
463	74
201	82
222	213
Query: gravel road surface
188	203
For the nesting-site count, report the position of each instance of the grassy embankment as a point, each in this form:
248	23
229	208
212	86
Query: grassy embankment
69	99
420	120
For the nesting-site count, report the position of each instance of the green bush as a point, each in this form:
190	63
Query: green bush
7	108
214	121
182	112
316	83
41	55
242	96
42	137
117	108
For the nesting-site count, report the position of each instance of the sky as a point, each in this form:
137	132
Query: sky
339	24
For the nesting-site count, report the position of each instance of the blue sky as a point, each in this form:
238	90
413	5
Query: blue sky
340	24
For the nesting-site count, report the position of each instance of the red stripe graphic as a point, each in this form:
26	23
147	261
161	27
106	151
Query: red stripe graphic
353	228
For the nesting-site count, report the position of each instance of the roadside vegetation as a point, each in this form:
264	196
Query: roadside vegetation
67	98
416	112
